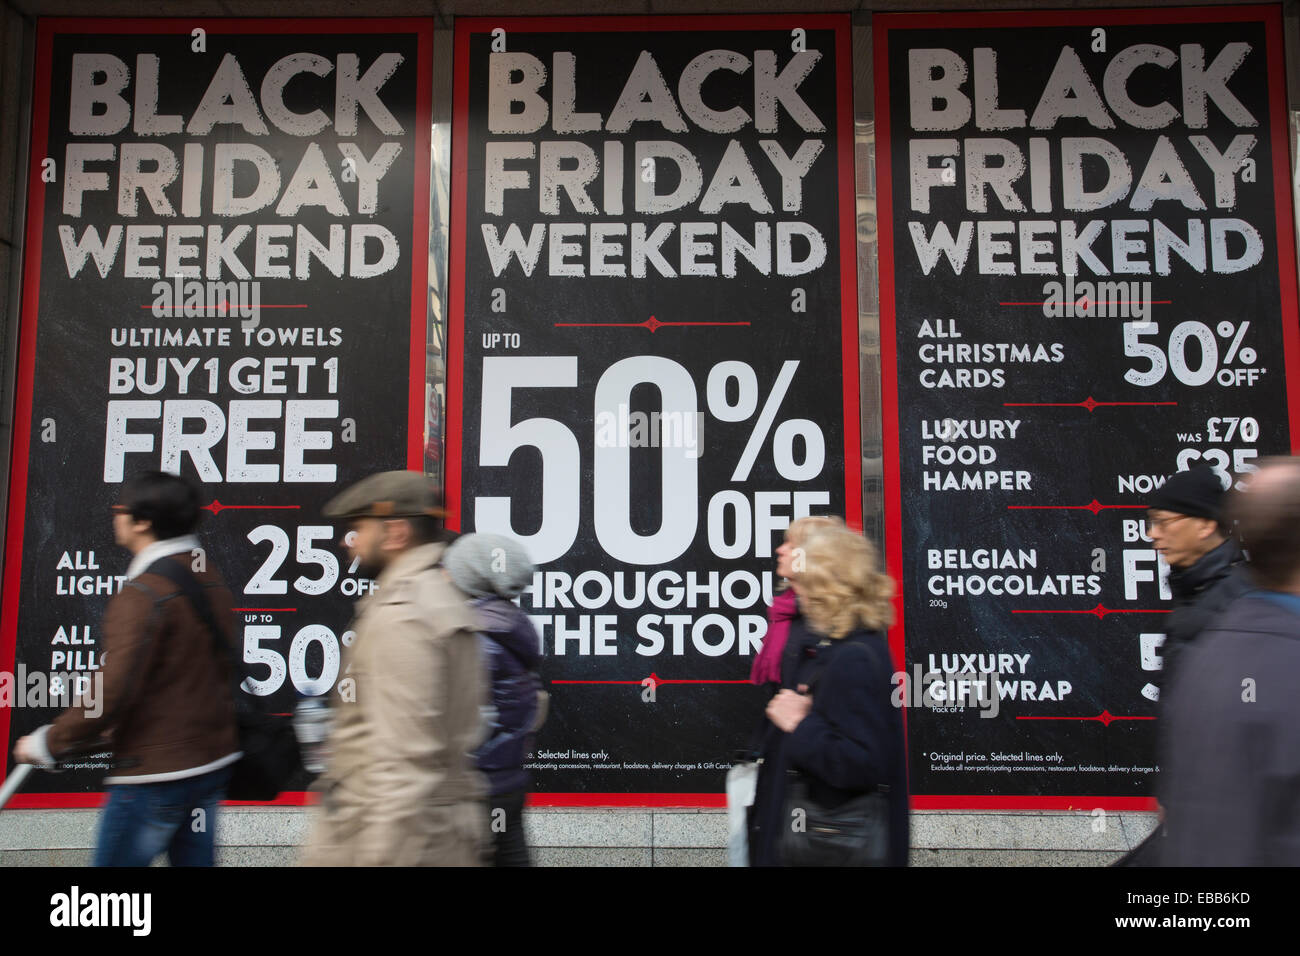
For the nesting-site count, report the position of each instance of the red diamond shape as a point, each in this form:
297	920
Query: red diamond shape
652	323
1100	610
1105	717
215	507
1094	506
1089	403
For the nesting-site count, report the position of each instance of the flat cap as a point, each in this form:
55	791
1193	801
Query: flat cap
389	494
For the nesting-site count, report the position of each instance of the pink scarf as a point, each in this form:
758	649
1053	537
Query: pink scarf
767	665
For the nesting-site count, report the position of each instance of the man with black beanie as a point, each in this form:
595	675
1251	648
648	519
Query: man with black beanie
1207	573
1230	755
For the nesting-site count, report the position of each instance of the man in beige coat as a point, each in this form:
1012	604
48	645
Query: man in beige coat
401	788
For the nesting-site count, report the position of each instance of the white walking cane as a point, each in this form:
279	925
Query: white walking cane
13	783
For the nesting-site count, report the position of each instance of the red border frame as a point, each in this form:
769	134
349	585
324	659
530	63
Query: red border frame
47	29
882	25
456	404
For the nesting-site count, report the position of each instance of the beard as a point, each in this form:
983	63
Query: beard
369	567
371	563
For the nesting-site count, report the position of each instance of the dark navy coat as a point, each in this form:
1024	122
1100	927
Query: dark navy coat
1230	754
511	649
850	742
1201	592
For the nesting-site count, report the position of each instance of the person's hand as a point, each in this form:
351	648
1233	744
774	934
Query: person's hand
788	709
25	751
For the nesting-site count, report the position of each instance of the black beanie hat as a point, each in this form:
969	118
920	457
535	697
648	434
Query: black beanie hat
1197	493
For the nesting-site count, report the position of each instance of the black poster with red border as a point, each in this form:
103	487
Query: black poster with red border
226	276
1087	284
652	363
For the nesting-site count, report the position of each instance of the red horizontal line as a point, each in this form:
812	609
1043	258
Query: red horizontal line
35	801
1103	612
226	507
216	507
978	801
703	682
287	798
27	801
984	801
1095	506
661	681
1075	404
633	325
264	609
1071	507
1104	720
656	681
42	801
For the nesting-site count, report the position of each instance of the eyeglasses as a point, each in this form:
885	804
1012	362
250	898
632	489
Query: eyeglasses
1161	523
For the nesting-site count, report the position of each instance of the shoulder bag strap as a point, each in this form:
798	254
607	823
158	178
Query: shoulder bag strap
190	587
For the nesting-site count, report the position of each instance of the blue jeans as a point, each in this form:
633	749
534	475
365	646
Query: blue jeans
142	820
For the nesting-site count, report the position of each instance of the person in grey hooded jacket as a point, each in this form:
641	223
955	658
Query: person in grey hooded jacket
494	569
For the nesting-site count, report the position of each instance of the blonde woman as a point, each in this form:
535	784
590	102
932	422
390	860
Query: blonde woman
832	723
785	607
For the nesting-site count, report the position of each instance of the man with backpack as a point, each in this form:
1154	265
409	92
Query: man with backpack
168	710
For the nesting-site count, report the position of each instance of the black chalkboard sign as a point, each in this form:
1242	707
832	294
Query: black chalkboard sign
654	360
1087	284
226	271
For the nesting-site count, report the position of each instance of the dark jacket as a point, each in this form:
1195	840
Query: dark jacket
1201	593
511	649
1230	752
850	742
167	698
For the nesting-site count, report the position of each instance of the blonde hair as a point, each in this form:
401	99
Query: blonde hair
840	587
800	530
